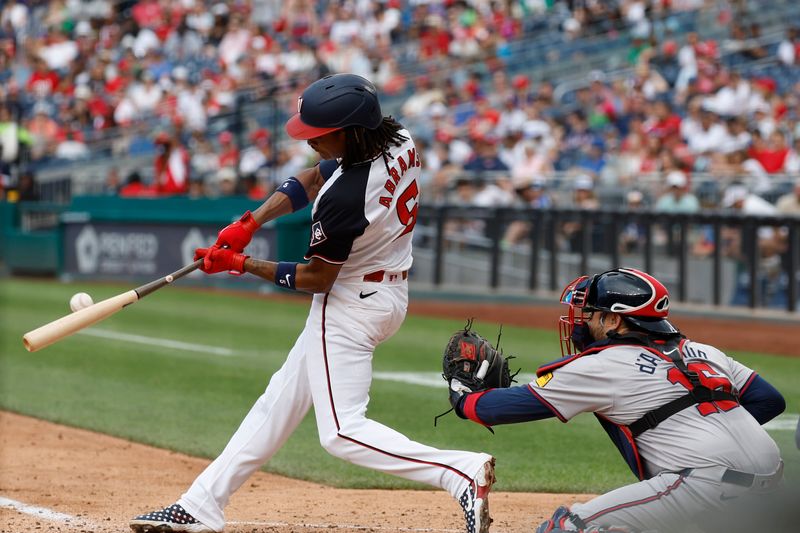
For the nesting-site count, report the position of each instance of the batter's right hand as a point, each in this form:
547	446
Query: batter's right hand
237	235
220	260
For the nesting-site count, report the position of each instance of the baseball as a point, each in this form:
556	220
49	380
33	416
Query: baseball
79	301
169	278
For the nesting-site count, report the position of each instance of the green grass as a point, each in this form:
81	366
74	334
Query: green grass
192	402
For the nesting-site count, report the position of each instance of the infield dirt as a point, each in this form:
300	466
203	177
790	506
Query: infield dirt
103	481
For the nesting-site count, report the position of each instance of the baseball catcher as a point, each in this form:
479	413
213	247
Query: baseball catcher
685	417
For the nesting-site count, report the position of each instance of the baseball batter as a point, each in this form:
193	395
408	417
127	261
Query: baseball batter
365	197
685	417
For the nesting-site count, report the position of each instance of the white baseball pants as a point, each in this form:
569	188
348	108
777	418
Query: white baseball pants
330	366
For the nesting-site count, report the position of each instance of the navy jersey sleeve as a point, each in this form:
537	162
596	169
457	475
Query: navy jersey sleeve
503	406
762	400
327	167
339	216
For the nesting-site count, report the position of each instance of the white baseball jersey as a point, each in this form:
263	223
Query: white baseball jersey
363	219
622	383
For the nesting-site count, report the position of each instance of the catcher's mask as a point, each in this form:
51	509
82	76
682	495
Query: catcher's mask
638	297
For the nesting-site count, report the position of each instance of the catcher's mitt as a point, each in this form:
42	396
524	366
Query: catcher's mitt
474	362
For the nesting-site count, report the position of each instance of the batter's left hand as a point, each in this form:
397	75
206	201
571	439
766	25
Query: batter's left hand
220	259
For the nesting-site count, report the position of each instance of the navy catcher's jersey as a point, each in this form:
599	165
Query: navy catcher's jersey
364	216
622	383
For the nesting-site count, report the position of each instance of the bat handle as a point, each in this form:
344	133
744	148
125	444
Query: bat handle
154	285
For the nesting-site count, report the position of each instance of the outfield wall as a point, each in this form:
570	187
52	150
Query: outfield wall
111	238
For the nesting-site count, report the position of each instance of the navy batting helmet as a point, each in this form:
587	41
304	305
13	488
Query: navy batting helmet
335	102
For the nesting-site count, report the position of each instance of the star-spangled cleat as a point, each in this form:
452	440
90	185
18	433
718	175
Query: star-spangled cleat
475	500
167	520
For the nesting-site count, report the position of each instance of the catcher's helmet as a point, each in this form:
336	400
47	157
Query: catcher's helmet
335	102
638	297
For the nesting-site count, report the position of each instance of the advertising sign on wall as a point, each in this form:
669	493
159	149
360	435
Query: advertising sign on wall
118	251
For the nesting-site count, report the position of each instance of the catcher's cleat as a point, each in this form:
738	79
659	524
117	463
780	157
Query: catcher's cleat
167	520
475	500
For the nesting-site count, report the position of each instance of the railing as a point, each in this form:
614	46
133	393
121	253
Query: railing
759	281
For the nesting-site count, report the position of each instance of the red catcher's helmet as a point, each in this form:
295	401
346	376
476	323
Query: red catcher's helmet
638	297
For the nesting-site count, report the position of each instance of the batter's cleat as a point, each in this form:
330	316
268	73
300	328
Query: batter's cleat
475	500
169	519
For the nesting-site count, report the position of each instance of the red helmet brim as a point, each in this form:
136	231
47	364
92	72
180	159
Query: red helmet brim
297	129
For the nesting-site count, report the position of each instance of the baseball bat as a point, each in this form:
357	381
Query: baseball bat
83	318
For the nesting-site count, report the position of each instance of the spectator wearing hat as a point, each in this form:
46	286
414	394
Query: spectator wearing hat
259	157
44	131
709	137
592	158
485	158
228	151
521	88
531	193
226	181
583	198
633	235
677	198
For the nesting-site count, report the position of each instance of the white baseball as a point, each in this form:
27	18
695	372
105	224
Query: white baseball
169	279
79	301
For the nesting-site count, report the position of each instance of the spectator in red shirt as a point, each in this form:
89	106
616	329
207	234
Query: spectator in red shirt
252	187
772	154
229	152
147	13
43	81
664	124
171	165
113	81
134	188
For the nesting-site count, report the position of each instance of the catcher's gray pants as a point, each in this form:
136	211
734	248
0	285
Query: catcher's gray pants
671	501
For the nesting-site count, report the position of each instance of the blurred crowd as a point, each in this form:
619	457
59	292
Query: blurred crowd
75	73
151	76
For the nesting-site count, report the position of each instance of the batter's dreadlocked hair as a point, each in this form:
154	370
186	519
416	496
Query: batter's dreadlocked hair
362	144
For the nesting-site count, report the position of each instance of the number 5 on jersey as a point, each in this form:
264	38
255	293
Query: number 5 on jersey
407	207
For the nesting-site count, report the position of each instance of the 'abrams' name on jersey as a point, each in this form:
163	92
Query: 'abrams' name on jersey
396	173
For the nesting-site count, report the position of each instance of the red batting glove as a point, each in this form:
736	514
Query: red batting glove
220	260
238	235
